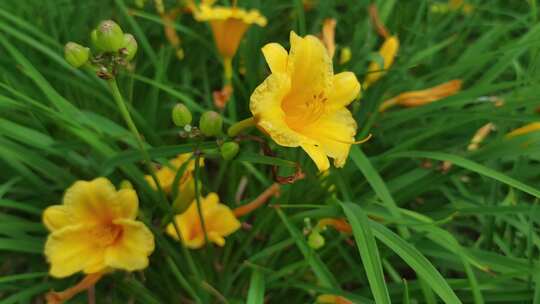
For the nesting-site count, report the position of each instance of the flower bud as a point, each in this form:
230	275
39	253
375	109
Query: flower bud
315	240
211	123
229	150
130	46
109	36
181	115
76	55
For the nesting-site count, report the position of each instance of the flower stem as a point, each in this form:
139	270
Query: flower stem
257	202
115	91
62	296
240	126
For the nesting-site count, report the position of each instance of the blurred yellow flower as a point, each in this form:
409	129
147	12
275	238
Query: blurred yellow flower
388	52
219	222
229	24
95	229
167	173
302	103
528	128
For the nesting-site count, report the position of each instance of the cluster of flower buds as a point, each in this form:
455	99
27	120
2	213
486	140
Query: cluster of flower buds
210	125
112	48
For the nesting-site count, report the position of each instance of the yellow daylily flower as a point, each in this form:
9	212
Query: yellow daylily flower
95	229
388	52
528	128
303	104
219	222
229	24
167	173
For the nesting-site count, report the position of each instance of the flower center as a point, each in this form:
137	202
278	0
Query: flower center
107	234
301	111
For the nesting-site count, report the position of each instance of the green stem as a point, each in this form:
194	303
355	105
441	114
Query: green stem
133	128
115	91
240	126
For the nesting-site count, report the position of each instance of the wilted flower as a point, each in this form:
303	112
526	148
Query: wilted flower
422	97
528	128
302	103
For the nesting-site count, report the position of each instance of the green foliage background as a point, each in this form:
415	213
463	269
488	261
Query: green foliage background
420	235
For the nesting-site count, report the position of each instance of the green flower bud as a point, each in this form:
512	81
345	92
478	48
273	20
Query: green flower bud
315	240
109	36
181	115
93	38
130	46
76	55
229	150
211	123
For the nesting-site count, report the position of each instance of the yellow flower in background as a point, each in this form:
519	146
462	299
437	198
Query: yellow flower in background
229	24
95	229
388	52
303	104
219	222
528	128
167	173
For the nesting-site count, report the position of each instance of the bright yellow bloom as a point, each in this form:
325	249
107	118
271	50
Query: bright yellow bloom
219	222
388	52
528	128
303	104
229	24
167	173
95	229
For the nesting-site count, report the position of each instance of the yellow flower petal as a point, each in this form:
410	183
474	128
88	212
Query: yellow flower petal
311	72
276	57
128	203
345	90
388	52
132	250
56	217
335	132
91	201
265	105
73	249
318	156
